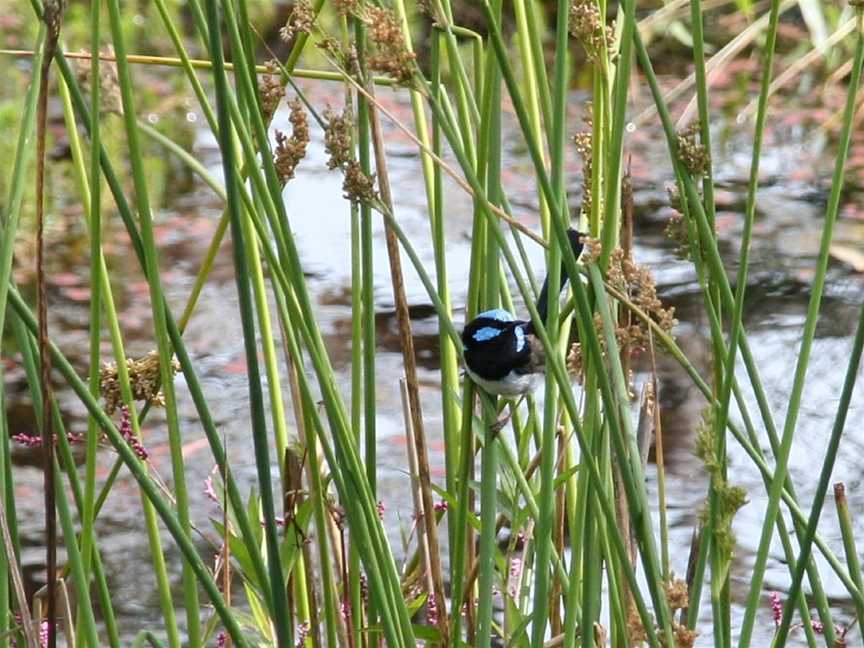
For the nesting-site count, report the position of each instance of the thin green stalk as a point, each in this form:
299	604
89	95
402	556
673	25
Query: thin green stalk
806	345
363	519
87	502
489	163
824	480
150	488
448	348
5	569
75	560
271	365
710	246
367	347
259	426
488	548
193	383
190	591
8	228
721	563
612	196
846	530
546	518
317	490
95	231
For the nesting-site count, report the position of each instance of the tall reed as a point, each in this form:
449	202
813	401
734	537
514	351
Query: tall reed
584	562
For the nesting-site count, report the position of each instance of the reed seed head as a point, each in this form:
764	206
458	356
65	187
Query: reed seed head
584	143
290	150
337	137
637	283
684	636
271	89
109	87
592	249
676	231
600	635
392	56
588	26
676	593
692	152
358	187
300	21
635	628
143	378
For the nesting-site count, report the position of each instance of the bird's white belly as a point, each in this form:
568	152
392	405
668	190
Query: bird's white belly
513	384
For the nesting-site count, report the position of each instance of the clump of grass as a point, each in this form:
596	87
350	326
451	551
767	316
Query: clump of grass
571	486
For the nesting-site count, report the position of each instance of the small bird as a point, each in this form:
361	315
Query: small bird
502	354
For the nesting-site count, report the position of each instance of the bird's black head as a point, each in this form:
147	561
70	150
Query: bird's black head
495	343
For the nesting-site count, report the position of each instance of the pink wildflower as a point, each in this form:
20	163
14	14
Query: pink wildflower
776	608
432	610
129	435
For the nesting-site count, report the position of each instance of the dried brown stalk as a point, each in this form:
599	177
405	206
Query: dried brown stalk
410	362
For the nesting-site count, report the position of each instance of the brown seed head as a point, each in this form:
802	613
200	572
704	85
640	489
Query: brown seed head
337	137
301	20
358	187
692	153
587	26
676	593
271	89
391	56
290	150
143	378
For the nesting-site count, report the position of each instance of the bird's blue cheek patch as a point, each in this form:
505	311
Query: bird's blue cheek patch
520	338
486	333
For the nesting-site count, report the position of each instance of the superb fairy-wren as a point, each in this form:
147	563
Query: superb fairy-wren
502	354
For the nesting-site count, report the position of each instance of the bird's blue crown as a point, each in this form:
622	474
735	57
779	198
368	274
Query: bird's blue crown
498	314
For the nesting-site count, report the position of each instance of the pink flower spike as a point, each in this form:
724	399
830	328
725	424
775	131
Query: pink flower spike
128	434
209	491
776	607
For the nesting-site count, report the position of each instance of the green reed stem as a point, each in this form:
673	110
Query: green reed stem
190	591
150	488
9	219
806	345
259	426
546	518
713	259
824	480
95	231
846	530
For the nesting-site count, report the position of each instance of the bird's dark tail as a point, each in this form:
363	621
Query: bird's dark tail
543	300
